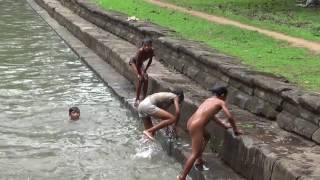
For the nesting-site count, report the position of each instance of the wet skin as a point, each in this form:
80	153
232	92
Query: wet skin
196	127
74	116
143	54
166	120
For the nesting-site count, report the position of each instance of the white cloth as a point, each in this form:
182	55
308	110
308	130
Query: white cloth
154	102
146	108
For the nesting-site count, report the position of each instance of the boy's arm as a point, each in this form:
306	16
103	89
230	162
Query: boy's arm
137	56
135	69
177	107
177	115
231	119
218	121
149	62
148	65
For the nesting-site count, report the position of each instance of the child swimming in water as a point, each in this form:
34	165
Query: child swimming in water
156	105
74	113
197	122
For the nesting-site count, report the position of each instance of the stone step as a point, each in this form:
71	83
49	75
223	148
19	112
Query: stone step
124	89
264	152
265	94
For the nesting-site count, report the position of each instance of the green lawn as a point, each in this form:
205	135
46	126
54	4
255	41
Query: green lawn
258	51
279	15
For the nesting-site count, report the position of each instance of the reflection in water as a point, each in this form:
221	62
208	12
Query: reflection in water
40	79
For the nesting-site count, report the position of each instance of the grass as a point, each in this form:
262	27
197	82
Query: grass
258	51
279	15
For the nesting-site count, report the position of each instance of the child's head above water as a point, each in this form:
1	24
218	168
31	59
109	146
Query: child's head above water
219	90
179	93
74	113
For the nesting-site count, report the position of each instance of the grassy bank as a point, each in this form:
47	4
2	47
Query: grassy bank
256	50
279	15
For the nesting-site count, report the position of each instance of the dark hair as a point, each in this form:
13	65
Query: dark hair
219	90
74	109
179	93
146	41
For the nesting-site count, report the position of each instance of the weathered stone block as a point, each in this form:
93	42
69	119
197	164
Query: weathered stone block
311	102
246	157
268	158
262	108
241	86
239	73
300	126
316	136
299	111
270	97
309	178
282	171
191	71
255	105
238	98
230	149
270	83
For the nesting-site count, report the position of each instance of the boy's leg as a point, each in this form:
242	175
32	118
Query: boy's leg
138	90
206	138
145	85
197	142
147	123
139	86
166	119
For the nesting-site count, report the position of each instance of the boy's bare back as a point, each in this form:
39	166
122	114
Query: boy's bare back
207	110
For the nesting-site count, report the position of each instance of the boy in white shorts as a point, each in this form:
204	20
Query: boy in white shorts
156	106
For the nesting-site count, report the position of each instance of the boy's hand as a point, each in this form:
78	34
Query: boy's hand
139	77
226	125
175	131
238	132
145	75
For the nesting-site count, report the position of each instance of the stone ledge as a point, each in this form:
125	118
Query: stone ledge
115	22
265	152
261	93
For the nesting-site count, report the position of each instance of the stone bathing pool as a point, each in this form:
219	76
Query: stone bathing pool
40	79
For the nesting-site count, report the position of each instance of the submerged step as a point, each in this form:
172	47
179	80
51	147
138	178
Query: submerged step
264	152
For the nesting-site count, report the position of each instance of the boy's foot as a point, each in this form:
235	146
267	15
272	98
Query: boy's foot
148	135
201	166
180	178
136	103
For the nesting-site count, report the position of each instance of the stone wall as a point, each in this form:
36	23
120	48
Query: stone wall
261	93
